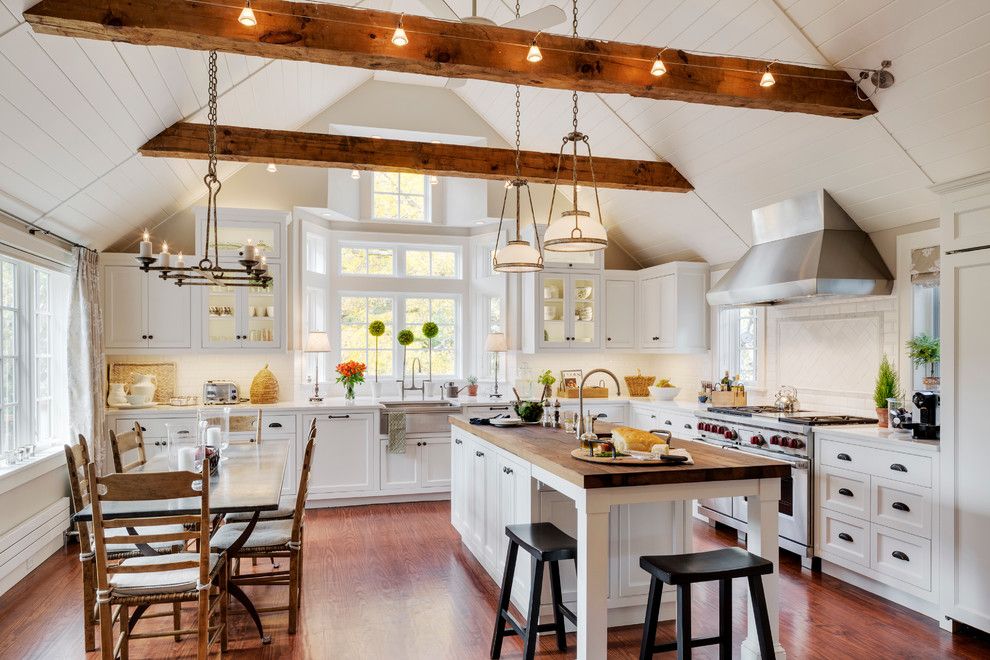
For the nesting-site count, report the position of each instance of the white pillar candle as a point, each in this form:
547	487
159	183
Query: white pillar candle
180	262
163	258
263	266
144	248
213	436
187	459
250	251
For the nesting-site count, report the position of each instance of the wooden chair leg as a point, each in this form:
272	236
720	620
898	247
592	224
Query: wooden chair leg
650	625
224	604
177	619
203	626
759	600
106	631
533	617
89	603
725	620
125	635
683	621
299	555
504	599
293	593
558	602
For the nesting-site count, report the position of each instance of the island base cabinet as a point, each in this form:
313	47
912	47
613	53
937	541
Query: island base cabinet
344	458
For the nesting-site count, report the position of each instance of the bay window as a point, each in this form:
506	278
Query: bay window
400	196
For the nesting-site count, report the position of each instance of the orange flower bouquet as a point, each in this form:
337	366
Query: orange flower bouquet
350	373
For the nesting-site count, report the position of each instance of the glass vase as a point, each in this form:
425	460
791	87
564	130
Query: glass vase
349	394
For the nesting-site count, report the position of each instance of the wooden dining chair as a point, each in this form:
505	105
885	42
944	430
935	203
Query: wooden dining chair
126	589
77	460
274	539
127	442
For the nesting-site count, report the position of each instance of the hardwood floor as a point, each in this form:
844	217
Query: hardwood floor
393	581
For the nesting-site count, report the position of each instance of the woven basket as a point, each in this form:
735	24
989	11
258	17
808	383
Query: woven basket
264	387
639	383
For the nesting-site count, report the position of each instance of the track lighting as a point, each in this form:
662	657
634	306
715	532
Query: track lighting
658	67
534	55
768	80
247	18
272	168
355	174
399	37
434	180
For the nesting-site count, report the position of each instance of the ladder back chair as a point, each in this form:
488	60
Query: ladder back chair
126	589
77	459
127	442
275	538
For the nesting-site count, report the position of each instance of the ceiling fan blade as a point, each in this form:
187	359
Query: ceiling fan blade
440	9
541	19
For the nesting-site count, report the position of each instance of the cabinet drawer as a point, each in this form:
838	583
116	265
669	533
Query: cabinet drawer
902	506
847	457
277	424
845	537
906	468
902	556
845	491
154	427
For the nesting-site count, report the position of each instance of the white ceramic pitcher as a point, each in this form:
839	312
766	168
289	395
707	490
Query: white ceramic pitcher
144	386
117	395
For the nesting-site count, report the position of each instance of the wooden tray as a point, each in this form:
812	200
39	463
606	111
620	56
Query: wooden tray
589	393
582	455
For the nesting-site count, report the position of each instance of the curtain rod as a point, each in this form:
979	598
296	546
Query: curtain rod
35	229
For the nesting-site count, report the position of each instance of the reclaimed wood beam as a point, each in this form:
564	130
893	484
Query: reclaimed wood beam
256	145
345	36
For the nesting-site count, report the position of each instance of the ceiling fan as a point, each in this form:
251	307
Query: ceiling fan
540	19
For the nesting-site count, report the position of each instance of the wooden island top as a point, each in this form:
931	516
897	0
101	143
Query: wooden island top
550	449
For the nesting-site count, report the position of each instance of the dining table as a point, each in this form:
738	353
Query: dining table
248	479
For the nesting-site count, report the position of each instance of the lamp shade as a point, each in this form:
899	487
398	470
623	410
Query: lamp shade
496	343
518	257
575	231
317	342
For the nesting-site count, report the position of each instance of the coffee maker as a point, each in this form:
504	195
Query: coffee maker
927	403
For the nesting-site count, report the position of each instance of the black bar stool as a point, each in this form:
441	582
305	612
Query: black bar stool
547	544
684	570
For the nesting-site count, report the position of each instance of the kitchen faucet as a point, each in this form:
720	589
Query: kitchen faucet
618	391
412	370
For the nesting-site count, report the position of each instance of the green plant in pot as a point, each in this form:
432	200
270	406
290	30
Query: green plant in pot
926	351
546	379
886	387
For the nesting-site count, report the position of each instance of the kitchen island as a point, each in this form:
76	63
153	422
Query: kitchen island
504	476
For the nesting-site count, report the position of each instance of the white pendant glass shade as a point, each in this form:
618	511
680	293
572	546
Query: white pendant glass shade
534	54
517	257
272	168
575	231
247	18
658	67
767	80
399	37
355	174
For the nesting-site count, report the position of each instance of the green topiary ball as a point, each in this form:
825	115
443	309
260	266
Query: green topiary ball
406	337
430	330
376	329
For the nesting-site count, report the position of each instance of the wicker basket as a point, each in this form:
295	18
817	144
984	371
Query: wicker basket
639	383
264	387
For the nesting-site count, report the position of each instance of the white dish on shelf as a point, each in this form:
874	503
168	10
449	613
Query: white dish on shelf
137	406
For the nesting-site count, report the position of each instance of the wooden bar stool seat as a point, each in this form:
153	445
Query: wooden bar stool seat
547	544
684	570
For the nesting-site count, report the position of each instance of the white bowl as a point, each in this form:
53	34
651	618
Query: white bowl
664	393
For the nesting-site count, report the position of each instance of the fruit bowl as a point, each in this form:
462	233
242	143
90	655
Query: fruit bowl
664	393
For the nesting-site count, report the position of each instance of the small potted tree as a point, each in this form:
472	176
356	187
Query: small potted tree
376	329
546	379
925	351
472	385
405	338
430	331
886	387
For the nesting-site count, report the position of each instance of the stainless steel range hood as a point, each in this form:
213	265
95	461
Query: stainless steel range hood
804	248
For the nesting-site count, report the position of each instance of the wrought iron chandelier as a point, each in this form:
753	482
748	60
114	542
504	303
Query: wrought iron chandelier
209	272
575	231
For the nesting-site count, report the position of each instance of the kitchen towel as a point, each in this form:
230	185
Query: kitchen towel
396	432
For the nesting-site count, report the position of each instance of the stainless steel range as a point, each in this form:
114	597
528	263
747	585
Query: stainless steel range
785	436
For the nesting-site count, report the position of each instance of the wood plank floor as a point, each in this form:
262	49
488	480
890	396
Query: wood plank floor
393	581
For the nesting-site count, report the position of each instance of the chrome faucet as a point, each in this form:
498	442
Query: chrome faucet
412	370
618	390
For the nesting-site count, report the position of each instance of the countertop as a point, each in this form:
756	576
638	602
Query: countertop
550	449
880	437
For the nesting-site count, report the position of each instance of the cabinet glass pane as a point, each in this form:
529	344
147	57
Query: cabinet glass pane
261	313
554	319
221	308
583	258
585	300
233	238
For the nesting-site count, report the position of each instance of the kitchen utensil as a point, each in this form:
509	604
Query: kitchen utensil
676	457
450	390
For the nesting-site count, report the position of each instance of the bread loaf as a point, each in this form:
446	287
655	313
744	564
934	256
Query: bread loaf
627	438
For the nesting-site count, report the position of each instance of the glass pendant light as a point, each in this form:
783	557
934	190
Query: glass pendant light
247	18
575	230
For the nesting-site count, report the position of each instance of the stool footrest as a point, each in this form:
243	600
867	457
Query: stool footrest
568	614
694	643
515	628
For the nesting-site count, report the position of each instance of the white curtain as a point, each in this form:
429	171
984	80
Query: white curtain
85	357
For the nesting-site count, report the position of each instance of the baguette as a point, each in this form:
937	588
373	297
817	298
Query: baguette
627	438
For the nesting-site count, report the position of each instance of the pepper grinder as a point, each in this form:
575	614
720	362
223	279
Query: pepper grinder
556	413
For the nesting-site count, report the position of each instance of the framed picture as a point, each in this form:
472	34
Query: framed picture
570	379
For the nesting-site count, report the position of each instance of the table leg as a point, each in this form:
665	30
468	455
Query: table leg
235	590
592	578
762	540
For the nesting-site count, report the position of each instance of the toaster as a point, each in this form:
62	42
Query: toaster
219	392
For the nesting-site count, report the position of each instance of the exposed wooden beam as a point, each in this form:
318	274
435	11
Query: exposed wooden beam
344	36
255	145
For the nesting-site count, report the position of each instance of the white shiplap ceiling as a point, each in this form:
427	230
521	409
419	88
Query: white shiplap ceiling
73	112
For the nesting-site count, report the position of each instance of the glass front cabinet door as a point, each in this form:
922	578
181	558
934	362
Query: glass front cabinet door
569	310
244	317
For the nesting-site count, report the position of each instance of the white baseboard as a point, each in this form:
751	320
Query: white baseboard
25	547
375	499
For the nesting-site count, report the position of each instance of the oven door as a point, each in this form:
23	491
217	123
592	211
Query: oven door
795	501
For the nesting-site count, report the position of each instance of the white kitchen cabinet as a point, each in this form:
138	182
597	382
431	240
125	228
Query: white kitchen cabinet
245	317
266	229
673	312
425	465
458	483
620	312
400	471
657	324
513	501
562	311
142	311
434	463
345	457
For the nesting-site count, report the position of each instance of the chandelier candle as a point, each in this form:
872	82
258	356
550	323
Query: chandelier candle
144	249
163	258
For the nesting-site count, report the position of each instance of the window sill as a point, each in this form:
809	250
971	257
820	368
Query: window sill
13	476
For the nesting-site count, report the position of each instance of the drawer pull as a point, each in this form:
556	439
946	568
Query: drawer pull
687	426
897	554
653	416
275	425
458	442
900	506
668	422
897	467
338	416
507	470
843	457
846	492
845	537
144	430
479	454
498	407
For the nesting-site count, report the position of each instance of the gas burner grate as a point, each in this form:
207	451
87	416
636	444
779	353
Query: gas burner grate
746	411
827	420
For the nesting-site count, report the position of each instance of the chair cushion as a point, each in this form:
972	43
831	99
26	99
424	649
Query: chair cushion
543	540
705	566
265	534
281	513
160	582
161	546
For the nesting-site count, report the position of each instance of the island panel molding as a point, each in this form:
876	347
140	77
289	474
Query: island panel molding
256	145
361	38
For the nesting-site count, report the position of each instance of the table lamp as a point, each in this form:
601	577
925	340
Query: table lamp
495	343
317	342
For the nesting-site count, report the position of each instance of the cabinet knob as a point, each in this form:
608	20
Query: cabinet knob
608	339
479	454
144	336
151	336
507	470
687	426
144	430
458	442
653	416
845	537
843	457
668	422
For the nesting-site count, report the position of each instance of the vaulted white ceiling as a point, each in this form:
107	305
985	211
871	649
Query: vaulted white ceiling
72	113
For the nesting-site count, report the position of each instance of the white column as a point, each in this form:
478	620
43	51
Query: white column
592	576
762	510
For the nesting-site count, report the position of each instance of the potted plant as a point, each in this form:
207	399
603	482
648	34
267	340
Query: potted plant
376	329
430	330
472	385
886	388
925	351
350	373
546	379
405	338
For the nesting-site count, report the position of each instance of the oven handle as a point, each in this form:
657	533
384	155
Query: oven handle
796	463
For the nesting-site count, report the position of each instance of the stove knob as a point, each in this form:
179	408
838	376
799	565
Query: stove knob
775	440
797	443
730	434
723	429
758	440
703	426
787	442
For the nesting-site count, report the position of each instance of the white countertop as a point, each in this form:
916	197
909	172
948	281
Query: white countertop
885	438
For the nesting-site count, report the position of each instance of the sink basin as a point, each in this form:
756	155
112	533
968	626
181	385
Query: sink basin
413	405
422	417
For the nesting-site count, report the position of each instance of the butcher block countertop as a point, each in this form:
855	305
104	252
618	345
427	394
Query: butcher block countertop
551	449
